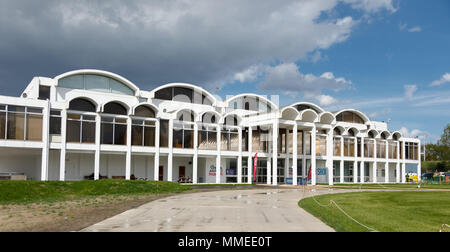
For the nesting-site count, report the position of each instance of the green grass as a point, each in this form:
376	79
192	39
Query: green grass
394	186
418	211
19	192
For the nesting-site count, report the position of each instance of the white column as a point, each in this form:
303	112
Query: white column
269	163
294	154
313	156
419	166
218	155
304	168
355	162
341	163
45	140
329	162
62	157
362	161
275	134
374	166
403	163
288	156
128	153
98	123
386	164
250	156
239	161
397	165
170	156
156	159
195	157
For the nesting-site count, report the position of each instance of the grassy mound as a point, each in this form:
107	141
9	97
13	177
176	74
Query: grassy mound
13	192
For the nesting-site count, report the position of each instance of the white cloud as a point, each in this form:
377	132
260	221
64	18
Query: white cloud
415	29
250	74
415	133
199	41
409	91
288	78
444	79
326	100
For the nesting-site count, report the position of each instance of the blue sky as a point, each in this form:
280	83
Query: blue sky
410	46
387	58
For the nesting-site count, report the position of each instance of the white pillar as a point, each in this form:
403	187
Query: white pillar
195	157
275	134
362	161
62	157
128	153
403	163
386	164
288	156
419	166
355	162
239	161
313	156
269	164
294	154
218	155
45	140
156	159
374	166
250	156
341	163
98	123
397	165
170	156
329	162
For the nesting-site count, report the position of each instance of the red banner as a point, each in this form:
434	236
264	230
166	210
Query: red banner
255	165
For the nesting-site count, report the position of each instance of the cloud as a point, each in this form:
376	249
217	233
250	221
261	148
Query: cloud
409	91
287	77
326	100
415	29
444	79
154	42
415	133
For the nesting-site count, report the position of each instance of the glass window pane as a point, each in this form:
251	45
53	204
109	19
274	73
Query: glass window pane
107	133
120	134
96	83
149	136
55	125
164	133
73	131
88	134
115	108
82	105
120	88
188	139
136	135
16	108
144	111
74	81
44	92
2	125
34	127
177	138
164	94
182	94
16	124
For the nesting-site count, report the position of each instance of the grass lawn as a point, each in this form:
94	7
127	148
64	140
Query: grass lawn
384	211
22	192
393	186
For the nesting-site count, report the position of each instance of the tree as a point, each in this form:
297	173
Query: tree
445	138
441	150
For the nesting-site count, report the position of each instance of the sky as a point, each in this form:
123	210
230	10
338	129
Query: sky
389	59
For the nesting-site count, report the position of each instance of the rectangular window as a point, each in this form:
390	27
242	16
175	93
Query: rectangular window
44	92
321	145
16	123
55	122
337	146
308	143
114	131
164	133
2	123
381	149
300	142
80	128
73	131
34	127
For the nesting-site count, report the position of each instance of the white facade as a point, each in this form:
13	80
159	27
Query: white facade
91	124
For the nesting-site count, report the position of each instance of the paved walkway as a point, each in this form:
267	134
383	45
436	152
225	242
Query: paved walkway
259	210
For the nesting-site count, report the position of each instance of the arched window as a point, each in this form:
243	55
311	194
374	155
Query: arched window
371	135
81	104
209	118
231	121
349	117
247	106
115	108
144	111
95	82
186	116
351	132
336	131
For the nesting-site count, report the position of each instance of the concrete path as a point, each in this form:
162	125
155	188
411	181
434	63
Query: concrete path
259	210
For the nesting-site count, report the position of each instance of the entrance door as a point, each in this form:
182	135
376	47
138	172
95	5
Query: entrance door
161	173
182	172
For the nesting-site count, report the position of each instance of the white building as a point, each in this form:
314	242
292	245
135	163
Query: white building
95	124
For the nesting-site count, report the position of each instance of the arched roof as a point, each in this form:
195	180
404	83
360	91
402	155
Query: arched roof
271	104
359	113
355	130
340	128
87	98
126	106
186	109
326	118
386	133
147	104
185	85
218	116
398	134
238	117
289	113
308	115
375	133
114	76
309	104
